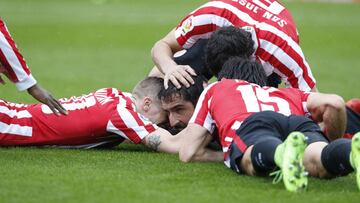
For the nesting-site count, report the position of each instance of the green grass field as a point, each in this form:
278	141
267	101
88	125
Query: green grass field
77	46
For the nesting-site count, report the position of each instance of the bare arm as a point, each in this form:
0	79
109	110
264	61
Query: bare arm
162	55
314	89
205	154
161	140
330	110
163	50
155	72
194	140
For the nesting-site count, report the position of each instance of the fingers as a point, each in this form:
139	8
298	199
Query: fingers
186	77
190	70
50	104
172	79
180	76
45	97
55	106
59	108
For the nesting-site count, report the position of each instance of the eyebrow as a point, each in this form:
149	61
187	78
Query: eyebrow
177	106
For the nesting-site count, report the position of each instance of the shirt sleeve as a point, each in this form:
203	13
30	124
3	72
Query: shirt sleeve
199	24
202	114
13	62
283	55
130	125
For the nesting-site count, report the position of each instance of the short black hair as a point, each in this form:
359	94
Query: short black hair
227	42
243	69
190	94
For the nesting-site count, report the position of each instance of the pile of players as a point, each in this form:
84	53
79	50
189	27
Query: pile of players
250	47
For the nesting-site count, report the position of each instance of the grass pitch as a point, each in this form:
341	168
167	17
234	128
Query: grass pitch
77	46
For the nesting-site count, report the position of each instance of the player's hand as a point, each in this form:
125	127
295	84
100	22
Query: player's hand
181	75
45	97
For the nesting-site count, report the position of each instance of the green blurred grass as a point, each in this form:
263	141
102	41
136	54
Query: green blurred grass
77	46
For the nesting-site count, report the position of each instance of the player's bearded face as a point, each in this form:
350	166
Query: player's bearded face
179	112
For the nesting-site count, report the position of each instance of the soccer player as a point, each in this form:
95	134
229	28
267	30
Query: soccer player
270	32
105	117
13	65
256	130
179	103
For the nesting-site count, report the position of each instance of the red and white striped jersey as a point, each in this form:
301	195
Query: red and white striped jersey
273	31
15	66
92	118
227	103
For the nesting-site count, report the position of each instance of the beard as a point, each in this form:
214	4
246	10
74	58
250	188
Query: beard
175	129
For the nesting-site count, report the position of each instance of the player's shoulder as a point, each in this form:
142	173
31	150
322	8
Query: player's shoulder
111	91
226	82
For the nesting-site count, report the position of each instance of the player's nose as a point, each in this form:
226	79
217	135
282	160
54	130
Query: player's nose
173	120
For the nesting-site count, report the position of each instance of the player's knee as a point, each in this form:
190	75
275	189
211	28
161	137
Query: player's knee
246	163
312	160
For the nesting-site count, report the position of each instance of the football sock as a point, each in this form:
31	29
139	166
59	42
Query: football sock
335	157
262	155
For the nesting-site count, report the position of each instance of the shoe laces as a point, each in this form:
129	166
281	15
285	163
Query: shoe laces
277	176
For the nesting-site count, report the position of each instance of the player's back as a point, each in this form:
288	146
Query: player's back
234	100
267	17
86	122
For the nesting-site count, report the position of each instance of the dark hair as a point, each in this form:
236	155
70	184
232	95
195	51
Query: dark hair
227	42
243	69
190	94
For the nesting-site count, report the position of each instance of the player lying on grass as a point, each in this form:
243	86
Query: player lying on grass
269	26
180	102
254	124
102	118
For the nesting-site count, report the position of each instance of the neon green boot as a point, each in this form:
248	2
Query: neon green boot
355	156
289	157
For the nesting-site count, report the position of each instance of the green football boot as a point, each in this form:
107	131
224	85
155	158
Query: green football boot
290	159
355	156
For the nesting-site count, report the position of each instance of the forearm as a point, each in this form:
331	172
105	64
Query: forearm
208	155
194	144
155	72
163	51
334	120
162	141
162	56
328	109
314	89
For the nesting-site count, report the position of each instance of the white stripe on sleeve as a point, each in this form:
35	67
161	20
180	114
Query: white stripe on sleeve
15	129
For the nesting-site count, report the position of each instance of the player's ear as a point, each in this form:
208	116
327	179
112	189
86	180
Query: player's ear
146	103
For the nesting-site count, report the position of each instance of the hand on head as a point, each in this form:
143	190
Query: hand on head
180	75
